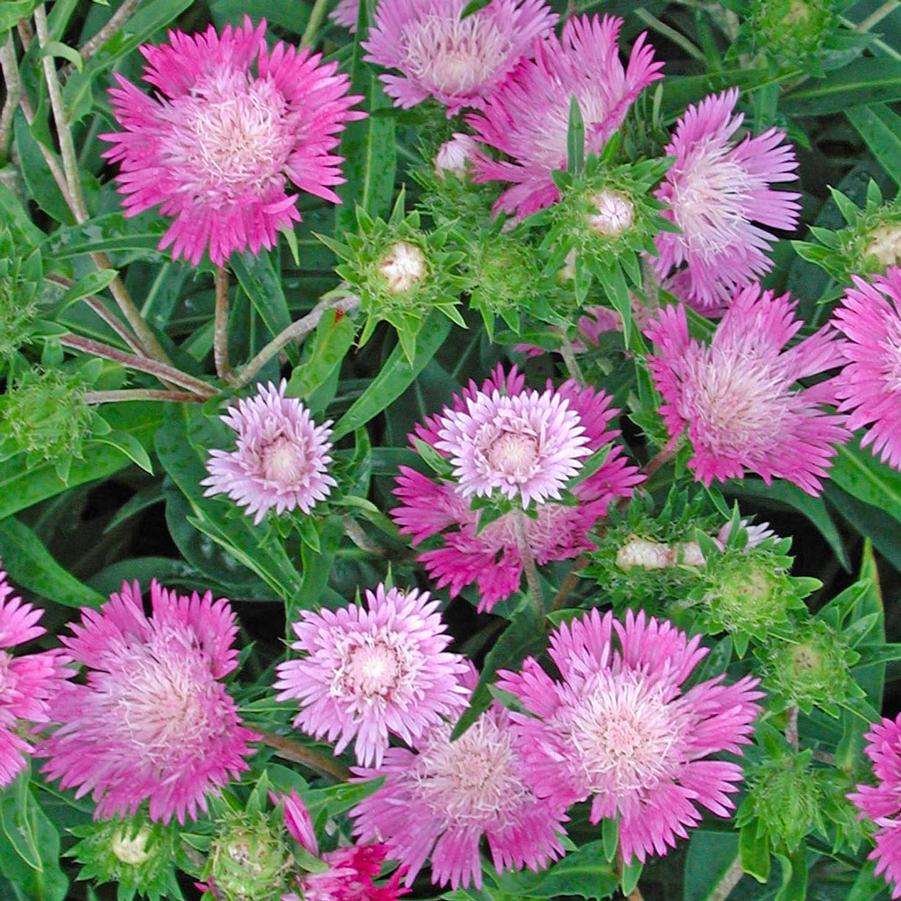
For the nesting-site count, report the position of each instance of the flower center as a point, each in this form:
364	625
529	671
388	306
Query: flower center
231	135
472	780
614	213
374	670
625	734
131	849
455	55
403	267
284	461
514	454
377	668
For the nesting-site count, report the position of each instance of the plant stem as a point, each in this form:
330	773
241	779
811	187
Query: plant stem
10	69
569	582
570	361
116	21
295	332
528	561
25	33
220	334
727	882
317	14
128	394
791	728
162	371
51	161
293	750
659	459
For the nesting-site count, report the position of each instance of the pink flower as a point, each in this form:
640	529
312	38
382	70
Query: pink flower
716	190
371	672
281	457
491	558
737	397
153	720
440	801
619	729
231	122
345	13
595	322
455	156
882	802
457	61
27	682
869	386
527	117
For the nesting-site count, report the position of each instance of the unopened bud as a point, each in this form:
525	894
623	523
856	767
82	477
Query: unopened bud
455	155
403	267
613	213
645	554
885	244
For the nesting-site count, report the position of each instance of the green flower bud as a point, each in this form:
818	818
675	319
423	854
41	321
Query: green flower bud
790	32
21	273
136	854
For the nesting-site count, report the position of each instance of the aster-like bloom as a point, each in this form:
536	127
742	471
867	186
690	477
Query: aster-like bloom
491	558
527	117
441	800
457	61
152	721
869	386
370	672
619	729
881	803
231	123
27	682
716	191
345	13
281	459
737	398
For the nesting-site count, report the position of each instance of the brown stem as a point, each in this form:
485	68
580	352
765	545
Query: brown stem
220	334
162	371
570	361
25	33
528	561
791	728
727	882
659	459
295	332
13	84
823	757
116	21
128	394
569	582
323	764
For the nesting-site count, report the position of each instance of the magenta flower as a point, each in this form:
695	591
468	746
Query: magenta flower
27	682
153	720
619	729
881	803
281	459
491	559
231	122
737	397
716	190
869	386
457	61
440	801
527	117
371	672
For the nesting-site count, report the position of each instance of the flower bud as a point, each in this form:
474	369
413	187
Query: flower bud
644	554
613	213
885	244
454	156
403	267
249	860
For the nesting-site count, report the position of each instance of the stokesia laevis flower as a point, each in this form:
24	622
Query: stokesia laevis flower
458	61
27	682
491	558
869	316
281	458
716	191
231	123
374	671
737	398
619	729
153	720
881	803
440	800
527	117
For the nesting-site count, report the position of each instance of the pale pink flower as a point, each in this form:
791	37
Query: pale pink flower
232	121
881	803
442	799
345	13
455	156
527	117
153	720
619	728
281	459
27	681
491	558
716	191
368	672
869	386
457	61
738	399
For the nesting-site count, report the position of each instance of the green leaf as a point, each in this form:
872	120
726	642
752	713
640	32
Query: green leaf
754	850
395	376
64	51
87	285
864	81
30	565
110	233
130	446
584	873
629	877
859	473
13	10
38	179
880	128
710	856
575	138
794	876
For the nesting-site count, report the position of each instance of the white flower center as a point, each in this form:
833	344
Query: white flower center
131	849
284	461
231	135
374	670
625	734
472	780
377	668
614	213
403	267
452	54
514	454
642	553
885	244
